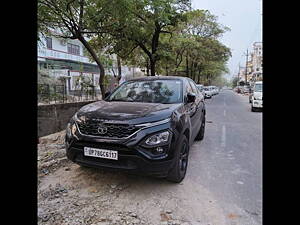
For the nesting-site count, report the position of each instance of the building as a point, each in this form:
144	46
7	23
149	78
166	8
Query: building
256	62
65	58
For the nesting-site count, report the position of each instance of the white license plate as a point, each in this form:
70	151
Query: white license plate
101	153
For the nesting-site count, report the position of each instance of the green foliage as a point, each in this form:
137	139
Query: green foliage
194	48
139	24
234	82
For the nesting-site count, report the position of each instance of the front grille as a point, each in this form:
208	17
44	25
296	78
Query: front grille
112	130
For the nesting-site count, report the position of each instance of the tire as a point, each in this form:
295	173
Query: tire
253	109
177	173
200	134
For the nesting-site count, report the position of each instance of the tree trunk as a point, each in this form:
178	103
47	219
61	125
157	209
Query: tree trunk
119	69
199	69
101	68
207	79
187	65
148	69
152	67
193	74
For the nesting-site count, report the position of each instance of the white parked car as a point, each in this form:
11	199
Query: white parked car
215	90
257	96
212	89
208	92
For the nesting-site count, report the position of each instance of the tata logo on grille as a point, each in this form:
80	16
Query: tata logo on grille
102	130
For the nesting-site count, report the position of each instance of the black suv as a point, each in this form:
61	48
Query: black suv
146	126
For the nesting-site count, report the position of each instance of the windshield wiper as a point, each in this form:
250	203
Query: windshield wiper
119	100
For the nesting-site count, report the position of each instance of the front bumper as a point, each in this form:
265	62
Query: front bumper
132	163
132	156
257	103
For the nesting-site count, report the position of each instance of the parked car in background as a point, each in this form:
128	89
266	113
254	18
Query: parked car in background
217	90
145	126
207	92
201	89
257	96
213	90
245	89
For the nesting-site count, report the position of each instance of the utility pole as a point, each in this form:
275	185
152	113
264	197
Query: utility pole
246	67
239	74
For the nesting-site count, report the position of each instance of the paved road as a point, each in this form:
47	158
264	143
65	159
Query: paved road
228	162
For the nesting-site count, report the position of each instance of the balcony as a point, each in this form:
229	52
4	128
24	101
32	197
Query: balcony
57	54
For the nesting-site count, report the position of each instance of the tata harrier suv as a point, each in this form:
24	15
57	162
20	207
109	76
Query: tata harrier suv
145	126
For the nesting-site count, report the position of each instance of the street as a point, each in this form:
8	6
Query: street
229	160
223	184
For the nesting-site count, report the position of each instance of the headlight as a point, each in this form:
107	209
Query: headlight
158	138
71	129
79	119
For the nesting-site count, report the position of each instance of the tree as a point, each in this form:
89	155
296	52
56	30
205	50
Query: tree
234	82
139	23
75	19
194	48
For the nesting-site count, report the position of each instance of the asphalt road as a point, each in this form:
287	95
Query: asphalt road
228	162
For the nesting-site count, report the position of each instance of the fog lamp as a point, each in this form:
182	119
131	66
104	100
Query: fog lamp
159	149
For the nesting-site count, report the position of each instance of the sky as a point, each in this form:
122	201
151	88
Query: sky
244	18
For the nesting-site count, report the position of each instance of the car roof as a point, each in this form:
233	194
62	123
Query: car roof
158	78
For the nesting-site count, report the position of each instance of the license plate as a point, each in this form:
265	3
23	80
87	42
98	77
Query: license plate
101	153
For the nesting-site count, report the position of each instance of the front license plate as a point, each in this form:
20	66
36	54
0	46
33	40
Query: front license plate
101	153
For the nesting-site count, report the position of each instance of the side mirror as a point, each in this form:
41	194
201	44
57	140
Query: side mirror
107	94
191	97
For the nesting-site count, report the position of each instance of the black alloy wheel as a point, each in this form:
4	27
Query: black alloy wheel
177	173
183	159
200	134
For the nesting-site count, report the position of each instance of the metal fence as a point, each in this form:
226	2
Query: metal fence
52	94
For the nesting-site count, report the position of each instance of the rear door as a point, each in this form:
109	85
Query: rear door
198	106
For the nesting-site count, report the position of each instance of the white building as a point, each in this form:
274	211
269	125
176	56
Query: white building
257	61
65	58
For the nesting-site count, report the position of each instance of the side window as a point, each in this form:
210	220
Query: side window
189	88
194	88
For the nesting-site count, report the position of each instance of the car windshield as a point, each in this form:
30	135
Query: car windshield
258	87
154	91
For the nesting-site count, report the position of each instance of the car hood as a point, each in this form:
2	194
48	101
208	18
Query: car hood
128	112
257	95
